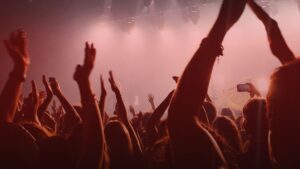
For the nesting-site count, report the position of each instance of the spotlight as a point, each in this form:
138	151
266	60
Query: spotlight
191	11
121	9
147	3
162	5
128	24
194	14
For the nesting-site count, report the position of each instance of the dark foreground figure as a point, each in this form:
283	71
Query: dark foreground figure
267	135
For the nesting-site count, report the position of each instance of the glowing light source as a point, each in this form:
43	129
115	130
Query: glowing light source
262	85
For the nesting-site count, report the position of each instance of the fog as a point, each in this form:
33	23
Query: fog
145	59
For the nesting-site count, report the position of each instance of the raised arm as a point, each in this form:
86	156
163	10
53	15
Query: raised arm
93	137
43	107
276	41
253	91
151	101
192	88
159	111
31	114
72	117
102	98
122	113
132	110
193	146
16	47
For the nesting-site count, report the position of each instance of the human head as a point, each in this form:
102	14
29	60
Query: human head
211	111
229	131
284	113
228	113
118	141
255	117
18	148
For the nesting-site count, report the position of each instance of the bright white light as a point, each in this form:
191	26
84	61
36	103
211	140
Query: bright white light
262	85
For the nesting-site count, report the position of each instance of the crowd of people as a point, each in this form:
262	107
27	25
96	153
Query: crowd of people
35	134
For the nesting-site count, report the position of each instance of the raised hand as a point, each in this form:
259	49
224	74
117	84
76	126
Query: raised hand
235	14
102	99
83	72
103	90
47	98
47	87
34	93
131	110
230	12
31	105
159	111
42	96
191	148
54	86
150	98
53	107
151	101
20	103
253	90
112	82
17	48
58	113
277	43
72	115
122	113
93	134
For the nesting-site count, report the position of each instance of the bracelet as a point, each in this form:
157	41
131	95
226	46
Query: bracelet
17	76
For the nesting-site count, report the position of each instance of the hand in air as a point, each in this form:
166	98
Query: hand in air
54	86
17	48
150	98
47	87
112	82
103	90
83	72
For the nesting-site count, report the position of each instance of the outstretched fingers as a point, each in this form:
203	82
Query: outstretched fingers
112	81
90	56
35	94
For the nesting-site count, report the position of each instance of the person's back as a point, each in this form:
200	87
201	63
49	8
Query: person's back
18	149
55	153
284	114
206	155
37	131
211	111
229	131
257	153
120	146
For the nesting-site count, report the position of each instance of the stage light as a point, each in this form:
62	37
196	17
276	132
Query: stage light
121	9
194	14
191	10
147	3
162	5
128	24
